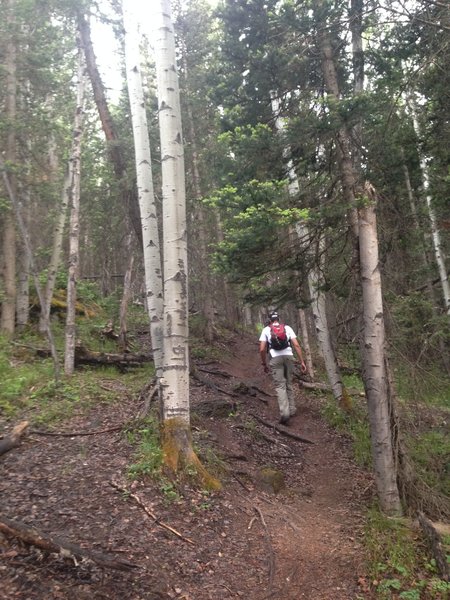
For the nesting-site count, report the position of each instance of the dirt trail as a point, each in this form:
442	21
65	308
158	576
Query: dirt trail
248	542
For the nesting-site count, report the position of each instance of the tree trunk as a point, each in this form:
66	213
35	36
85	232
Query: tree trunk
26	244
375	376
435	233
55	258
146	196
123	341
177	444
115	148
74	195
305	343
318	305
205	282
343	140
8	312
425	260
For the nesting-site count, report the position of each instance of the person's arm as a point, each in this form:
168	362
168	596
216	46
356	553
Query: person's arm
263	355
298	350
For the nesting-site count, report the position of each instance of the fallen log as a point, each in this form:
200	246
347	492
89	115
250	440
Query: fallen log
122	361
33	537
14	438
436	546
282	430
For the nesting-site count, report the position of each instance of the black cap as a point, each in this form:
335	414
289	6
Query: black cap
274	316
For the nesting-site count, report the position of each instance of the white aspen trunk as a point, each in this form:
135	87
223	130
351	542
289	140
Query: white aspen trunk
375	375
175	383
177	442
8	312
318	305
435	233
55	259
425	260
146	196
70	335
123	341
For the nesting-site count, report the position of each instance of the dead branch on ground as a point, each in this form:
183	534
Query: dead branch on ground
33	537
76	433
14	438
281	430
269	548
204	381
435	543
148	512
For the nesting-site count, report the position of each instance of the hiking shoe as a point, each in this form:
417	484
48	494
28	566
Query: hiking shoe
284	421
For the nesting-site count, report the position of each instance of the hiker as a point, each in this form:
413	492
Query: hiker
276	343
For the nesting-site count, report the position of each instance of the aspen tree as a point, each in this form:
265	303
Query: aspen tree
146	196
177	443
69	355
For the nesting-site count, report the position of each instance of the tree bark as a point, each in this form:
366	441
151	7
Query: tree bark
435	233
8	306
13	439
177	442
74	232
115	148
123	341
375	376
55	258
147	205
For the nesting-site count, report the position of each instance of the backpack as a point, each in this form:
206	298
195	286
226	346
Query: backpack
278	336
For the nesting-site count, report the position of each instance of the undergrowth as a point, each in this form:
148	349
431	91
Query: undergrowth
400	563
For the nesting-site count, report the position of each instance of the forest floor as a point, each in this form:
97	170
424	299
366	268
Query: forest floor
249	540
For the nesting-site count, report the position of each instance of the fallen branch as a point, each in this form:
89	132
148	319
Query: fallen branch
435	543
76	433
148	512
33	537
270	549
215	372
14	438
214	387
282	430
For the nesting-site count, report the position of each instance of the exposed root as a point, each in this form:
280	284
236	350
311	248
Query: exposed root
179	455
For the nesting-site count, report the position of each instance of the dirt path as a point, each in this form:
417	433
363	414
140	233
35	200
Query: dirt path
246	541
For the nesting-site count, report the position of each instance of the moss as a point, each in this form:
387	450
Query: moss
179	455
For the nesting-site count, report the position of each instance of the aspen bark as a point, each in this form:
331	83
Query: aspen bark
175	381
177	442
69	354
55	258
147	205
375	375
435	233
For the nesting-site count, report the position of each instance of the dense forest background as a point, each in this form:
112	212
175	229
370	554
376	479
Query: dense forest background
316	141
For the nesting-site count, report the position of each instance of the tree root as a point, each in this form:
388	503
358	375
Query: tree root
33	537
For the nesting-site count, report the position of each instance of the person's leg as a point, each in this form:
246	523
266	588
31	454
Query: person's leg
277	367
288	373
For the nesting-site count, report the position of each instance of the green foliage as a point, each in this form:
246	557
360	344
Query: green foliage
417	331
398	564
355	425
148	455
430	452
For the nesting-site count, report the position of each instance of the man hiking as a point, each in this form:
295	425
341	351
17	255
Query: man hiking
275	345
